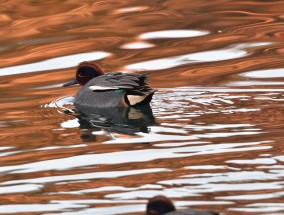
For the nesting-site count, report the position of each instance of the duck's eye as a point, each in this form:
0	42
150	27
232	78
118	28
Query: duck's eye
87	71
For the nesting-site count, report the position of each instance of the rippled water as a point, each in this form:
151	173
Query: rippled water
213	138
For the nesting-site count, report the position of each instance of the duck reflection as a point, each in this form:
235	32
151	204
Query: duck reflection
124	120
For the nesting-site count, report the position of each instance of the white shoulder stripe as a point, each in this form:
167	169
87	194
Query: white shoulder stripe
102	88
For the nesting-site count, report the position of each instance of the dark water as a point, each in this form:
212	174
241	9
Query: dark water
212	140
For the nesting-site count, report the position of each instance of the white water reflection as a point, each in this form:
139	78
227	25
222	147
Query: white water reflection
223	187
54	63
60	102
170	62
273	91
100	189
184	190
72	123
109	188
130	9
30	208
137	45
268	73
261	208
279	158
216	126
26	188
152	137
254	83
207	167
109	210
132	156
85	176
47	87
6	148
253	161
258	196
167	34
135	194
234	52
208	179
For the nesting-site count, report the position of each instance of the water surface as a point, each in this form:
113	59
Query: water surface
212	139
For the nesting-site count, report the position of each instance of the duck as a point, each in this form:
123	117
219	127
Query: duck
115	89
161	205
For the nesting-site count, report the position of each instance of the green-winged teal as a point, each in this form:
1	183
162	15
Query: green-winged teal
109	90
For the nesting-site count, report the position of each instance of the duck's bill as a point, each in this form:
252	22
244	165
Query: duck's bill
72	82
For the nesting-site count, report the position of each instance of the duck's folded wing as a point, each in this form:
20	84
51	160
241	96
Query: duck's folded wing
133	86
135	83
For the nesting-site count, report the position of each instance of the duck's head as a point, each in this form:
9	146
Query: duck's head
85	72
159	205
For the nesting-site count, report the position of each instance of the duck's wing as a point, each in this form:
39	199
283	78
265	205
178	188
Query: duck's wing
133	84
134	87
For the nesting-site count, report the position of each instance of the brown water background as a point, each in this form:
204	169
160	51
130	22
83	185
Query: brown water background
216	139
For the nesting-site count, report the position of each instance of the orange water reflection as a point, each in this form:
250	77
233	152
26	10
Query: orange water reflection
213	139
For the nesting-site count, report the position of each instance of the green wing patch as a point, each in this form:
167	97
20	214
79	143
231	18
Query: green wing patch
119	91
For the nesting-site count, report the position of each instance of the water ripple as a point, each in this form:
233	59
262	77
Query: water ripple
236	51
213	140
